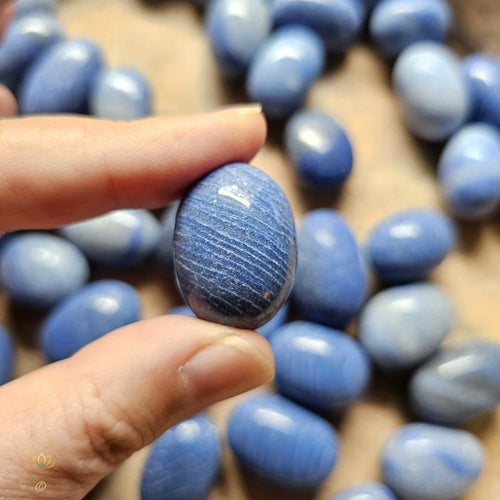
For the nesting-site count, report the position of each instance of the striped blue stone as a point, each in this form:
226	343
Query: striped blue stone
365	491
7	356
234	247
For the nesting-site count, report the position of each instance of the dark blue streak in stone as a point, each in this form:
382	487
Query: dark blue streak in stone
234	247
7	356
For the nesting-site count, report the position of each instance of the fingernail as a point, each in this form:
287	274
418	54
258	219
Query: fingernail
244	109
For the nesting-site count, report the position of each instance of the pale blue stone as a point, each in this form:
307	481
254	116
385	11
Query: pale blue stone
28	7
182	310
402	326
165	252
365	491
434	97
7	356
429	462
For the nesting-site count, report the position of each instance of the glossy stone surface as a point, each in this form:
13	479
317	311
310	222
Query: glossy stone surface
319	367
165	251
234	247
282	442
279	320
458	384
120	238
365	491
402	326
319	149
408	245
330	281
39	269
28	7
396	24
434	97
183	463
97	309
482	74
23	42
121	94
284	68
7	356
429	462
61	79
469	171
338	22
236	29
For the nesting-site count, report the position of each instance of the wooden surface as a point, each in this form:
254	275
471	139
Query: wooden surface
392	172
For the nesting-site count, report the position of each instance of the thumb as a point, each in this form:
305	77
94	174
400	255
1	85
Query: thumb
117	395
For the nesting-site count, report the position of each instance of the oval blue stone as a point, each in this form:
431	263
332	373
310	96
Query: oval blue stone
39	269
408	245
120	238
28	7
282	442
402	326
61	79
183	463
319	367
365	491
236	29
434	97
429	462
234	247
330	281
284	68
7	356
165	251
469	171
319	149
95	310
458	384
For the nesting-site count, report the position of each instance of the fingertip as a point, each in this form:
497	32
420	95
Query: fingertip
8	103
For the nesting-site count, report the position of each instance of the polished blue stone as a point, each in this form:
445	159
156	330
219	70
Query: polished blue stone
402	326
39	269
121	94
94	311
282	441
429	462
182	310
60	80
183	463
24	40
338	22
234	247
408	245
365	491
469	171
396	24
482	74
28	7
280	319
7	356
458	384
319	367
165	251
330	281
236	29
284	68
120	238
433	93
319	149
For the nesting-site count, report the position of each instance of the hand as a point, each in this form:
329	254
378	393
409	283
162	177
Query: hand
121	392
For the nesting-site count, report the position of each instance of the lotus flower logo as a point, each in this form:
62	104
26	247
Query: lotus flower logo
42	462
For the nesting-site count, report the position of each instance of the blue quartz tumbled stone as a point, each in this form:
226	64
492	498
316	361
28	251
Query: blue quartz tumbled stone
165	251
319	149
234	247
24	40
121	94
280	319
183	463
338	22
429	462
469	171
408	245
319	367
94	311
458	384
28	7
330	281
428	81
402	326
396	24
236	29
482	74
284	68
365	491
7	356
120	238
282	442
61	79
39	269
